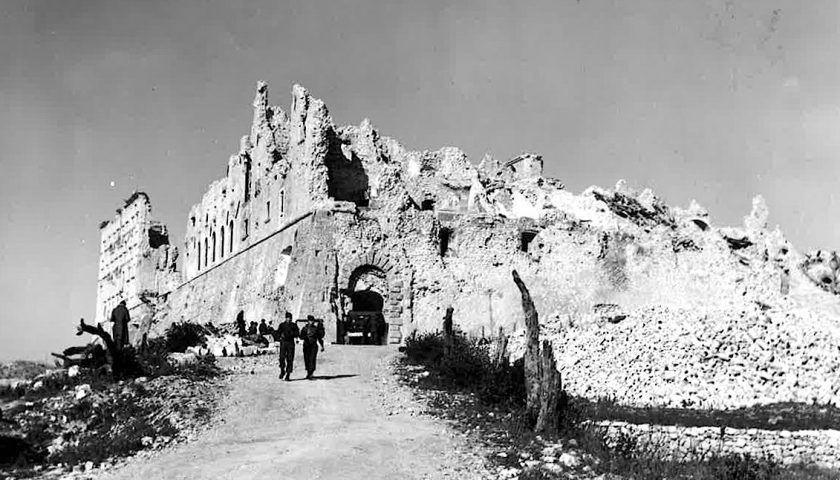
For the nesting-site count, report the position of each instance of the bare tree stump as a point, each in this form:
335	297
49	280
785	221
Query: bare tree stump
550	388
532	351
448	331
542	380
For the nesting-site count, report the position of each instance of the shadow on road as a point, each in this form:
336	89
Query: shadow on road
333	377
323	377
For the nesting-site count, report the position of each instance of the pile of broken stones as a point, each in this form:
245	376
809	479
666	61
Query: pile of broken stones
57	418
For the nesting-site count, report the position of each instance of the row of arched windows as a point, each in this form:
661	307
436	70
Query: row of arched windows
211	244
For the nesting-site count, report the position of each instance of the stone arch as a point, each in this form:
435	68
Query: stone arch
373	262
371	259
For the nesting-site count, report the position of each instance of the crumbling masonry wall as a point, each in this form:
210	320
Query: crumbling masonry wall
136	262
643	302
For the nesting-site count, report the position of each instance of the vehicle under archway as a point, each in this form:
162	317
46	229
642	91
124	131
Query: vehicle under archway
364	322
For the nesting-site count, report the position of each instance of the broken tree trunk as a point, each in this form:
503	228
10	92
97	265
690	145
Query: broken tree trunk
114	356
542	380
550	388
532	351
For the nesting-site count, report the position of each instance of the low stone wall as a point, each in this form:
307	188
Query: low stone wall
819	447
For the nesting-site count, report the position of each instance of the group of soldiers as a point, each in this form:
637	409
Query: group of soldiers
287	334
312	335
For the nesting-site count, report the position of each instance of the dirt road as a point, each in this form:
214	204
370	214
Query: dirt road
352	422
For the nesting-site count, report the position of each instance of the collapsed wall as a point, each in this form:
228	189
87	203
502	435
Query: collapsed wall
680	313
643	302
136	262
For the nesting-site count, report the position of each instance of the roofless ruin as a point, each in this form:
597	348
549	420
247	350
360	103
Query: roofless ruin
319	219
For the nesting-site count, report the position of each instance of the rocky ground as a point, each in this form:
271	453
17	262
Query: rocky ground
499	431
461	390
81	423
354	421
370	414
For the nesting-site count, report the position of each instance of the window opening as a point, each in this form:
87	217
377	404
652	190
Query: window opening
525	239
247	181
282	202
444	236
230	247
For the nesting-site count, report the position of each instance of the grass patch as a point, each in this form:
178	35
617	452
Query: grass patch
469	365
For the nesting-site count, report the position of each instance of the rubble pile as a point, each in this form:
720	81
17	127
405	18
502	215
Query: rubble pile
61	421
714	359
686	314
223	342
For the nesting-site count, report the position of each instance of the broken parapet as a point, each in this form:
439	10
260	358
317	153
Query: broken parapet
525	166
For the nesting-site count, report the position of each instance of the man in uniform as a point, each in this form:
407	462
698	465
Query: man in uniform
312	335
287	332
263	328
120	319
240	324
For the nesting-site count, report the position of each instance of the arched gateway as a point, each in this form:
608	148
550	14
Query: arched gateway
372	295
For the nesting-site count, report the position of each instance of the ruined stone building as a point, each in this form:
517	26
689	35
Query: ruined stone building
321	219
136	261
312	217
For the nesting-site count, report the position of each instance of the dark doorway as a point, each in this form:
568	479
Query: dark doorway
367	300
444	236
364	322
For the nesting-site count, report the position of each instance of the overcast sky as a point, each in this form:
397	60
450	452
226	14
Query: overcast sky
712	100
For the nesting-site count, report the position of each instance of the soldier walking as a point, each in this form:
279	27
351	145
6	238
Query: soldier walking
287	333
312	335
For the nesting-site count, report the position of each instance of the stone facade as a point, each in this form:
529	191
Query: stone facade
136	261
312	217
309	213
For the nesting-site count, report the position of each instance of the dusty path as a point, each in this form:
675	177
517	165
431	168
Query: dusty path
352	423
